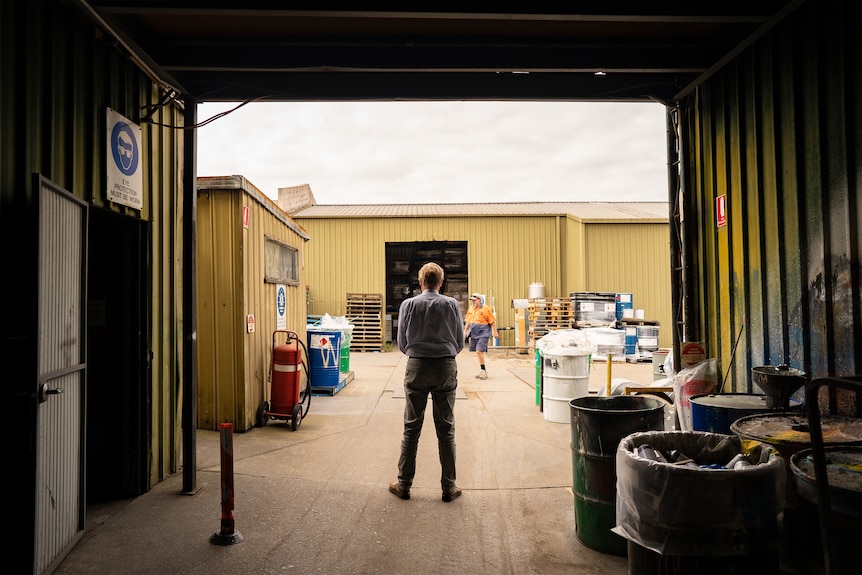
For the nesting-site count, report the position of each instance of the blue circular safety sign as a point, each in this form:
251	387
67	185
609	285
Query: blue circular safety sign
281	301
124	148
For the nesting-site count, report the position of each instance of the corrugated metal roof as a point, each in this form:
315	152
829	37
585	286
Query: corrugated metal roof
645	212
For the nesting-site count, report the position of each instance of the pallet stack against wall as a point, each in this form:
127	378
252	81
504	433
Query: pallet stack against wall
365	312
546	314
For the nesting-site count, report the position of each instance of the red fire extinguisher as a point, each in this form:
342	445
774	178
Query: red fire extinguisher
285	374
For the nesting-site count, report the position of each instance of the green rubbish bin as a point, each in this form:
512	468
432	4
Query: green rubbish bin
345	358
539	378
346	336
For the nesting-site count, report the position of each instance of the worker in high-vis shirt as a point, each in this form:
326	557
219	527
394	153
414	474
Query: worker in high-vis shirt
479	325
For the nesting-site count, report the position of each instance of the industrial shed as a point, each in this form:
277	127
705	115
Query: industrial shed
494	249
763	102
247	251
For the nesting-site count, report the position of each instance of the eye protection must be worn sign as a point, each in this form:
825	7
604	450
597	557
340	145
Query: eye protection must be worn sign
280	307
125	177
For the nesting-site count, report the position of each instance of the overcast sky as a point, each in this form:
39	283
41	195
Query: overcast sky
440	152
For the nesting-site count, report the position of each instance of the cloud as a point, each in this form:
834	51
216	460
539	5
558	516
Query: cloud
438	152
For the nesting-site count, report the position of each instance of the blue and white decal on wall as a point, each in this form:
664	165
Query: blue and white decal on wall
280	307
125	177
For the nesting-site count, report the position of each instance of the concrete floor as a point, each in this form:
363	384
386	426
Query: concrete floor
316	500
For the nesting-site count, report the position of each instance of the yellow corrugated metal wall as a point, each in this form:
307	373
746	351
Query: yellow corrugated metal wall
635	259
573	262
233	364
219	306
504	256
259	299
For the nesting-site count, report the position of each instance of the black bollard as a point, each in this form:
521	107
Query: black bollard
228	534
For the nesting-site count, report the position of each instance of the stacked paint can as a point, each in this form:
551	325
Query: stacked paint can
624	306
631	339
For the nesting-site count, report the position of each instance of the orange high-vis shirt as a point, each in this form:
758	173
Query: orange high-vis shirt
481	315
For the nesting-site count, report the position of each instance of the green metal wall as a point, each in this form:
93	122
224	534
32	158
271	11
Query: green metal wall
778	132
58	74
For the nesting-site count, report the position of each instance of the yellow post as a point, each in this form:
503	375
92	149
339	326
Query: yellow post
608	389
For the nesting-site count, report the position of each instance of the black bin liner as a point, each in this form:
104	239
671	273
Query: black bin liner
691	511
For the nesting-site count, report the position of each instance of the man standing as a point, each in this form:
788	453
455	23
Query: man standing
430	334
479	325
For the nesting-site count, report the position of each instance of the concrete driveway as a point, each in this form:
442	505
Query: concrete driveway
316	500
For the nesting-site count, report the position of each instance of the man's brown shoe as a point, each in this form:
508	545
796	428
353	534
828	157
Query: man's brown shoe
400	493
450	495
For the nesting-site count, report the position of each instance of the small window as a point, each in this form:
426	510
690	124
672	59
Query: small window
281	263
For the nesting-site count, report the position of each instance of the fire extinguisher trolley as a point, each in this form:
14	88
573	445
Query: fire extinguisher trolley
287	392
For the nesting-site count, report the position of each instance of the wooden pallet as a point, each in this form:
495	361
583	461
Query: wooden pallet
628	321
365	312
558	309
343	379
563	304
548	314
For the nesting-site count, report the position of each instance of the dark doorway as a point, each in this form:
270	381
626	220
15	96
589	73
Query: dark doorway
117	328
403	260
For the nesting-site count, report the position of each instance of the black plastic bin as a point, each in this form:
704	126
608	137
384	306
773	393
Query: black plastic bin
687	519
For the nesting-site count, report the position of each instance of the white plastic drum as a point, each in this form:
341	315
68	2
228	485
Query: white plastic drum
564	378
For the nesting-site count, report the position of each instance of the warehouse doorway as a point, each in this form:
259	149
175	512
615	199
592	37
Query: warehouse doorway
117	332
403	260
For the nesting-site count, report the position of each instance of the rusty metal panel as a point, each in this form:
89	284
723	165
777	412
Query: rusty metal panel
777	133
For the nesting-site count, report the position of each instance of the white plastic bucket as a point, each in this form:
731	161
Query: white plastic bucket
536	290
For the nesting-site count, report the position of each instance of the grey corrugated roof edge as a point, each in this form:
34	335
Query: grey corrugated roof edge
657	212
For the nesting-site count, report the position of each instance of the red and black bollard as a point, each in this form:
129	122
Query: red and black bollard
227	535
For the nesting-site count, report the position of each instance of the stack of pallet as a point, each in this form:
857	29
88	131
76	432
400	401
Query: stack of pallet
546	314
365	312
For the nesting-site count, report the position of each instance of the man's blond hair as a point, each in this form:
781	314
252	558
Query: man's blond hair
431	276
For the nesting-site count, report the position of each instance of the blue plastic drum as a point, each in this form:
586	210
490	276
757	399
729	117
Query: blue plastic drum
324	358
717	412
